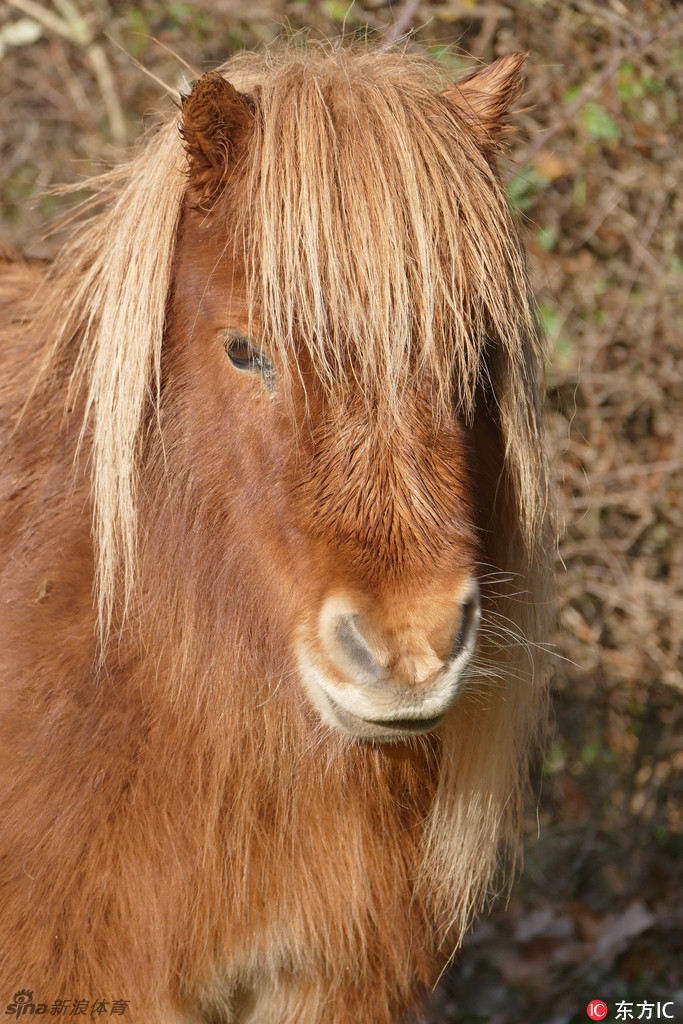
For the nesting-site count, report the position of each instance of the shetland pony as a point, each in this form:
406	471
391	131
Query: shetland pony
274	534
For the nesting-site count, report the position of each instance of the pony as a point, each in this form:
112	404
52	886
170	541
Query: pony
275	547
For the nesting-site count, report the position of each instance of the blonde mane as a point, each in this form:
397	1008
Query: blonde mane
374	230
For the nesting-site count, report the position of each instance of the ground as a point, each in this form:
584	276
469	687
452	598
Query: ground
595	173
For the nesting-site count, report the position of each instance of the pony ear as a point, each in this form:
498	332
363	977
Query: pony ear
486	95
216	119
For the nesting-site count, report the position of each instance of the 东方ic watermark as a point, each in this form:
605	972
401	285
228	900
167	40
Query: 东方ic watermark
598	1010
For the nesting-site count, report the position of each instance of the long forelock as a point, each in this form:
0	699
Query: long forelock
376	229
373	229
378	236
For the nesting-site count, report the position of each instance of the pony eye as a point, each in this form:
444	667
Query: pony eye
243	354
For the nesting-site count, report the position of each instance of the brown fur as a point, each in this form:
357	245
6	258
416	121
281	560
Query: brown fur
179	828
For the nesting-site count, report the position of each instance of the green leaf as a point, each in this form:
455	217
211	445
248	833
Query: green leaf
579	192
180	12
555	760
137	42
598	123
444	55
629	85
342	12
525	186
590	753
546	238
652	84
551	320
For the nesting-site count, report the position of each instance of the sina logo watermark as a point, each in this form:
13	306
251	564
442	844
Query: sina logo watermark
23	1003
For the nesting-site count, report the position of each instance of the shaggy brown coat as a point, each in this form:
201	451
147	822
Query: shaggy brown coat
179	829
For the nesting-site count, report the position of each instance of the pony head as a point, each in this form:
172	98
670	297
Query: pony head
347	291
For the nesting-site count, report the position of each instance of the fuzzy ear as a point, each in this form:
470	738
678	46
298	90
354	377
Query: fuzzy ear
486	95
216	119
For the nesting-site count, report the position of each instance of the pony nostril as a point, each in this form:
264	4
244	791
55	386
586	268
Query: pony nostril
469	618
353	645
378	671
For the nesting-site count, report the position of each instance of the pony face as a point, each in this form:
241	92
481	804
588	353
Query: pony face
334	298
346	297
358	521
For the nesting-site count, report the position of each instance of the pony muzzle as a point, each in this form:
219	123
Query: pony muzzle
382	682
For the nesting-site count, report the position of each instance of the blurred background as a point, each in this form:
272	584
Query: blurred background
595	173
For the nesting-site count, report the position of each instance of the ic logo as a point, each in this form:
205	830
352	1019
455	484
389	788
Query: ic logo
597	1010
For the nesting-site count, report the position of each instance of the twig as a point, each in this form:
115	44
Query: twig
488	29
170	90
71	25
47	19
603	211
105	80
403	22
639	254
641	469
177	56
